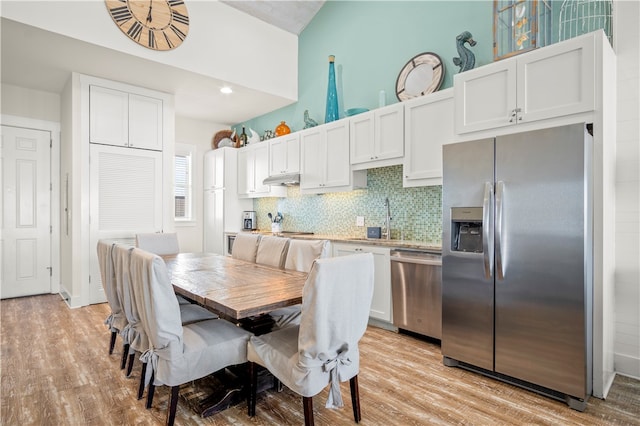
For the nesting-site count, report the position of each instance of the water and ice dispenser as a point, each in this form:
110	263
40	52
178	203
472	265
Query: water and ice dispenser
466	229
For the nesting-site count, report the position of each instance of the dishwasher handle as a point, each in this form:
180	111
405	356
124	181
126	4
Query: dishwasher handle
415	260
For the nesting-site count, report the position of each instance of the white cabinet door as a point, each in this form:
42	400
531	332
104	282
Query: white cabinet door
246	174
312	158
124	119
429	124
554	81
381	302
557	80
377	136
108	116
125	199
362	131
485	97
214	169
214	221
145	122
336	160
389	132
261	167
284	154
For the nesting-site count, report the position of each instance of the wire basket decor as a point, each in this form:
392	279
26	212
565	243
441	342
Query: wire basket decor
579	17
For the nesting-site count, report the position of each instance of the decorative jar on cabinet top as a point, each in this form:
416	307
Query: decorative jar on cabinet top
282	129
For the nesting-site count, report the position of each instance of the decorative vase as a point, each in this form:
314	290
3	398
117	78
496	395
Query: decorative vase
332	94
282	129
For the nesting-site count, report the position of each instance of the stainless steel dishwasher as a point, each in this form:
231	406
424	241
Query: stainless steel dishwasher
416	290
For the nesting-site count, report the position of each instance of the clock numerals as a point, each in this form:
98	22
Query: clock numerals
121	14
152	40
179	17
178	33
135	31
171	46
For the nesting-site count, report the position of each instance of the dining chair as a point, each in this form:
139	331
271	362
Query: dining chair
300	256
161	243
245	246
116	321
179	353
272	251
134	334
323	349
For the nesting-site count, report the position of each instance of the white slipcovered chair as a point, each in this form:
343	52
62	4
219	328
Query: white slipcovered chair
179	353
323	349
300	256
134	334
272	251
161	243
116	321
245	246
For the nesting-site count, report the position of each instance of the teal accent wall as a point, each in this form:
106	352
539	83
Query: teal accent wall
372	41
416	212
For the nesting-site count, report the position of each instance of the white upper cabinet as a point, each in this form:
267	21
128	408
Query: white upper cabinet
214	169
253	169
377	137
428	126
120	118
324	159
556	80
284	154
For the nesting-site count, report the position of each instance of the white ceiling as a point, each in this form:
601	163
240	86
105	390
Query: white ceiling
42	60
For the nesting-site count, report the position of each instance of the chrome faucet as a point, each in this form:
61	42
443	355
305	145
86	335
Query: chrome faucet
387	220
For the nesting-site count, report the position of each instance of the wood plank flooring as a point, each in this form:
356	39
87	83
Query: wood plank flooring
55	370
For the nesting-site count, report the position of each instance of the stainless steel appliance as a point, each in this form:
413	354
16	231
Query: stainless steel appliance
517	260
249	221
416	285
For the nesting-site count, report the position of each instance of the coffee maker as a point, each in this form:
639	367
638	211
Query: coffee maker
249	221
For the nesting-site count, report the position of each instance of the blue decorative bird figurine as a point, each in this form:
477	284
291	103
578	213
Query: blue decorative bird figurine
467	60
308	121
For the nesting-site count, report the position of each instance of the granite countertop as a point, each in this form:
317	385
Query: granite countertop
394	244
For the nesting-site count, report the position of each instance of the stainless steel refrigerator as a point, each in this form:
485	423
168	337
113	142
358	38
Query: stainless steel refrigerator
517	260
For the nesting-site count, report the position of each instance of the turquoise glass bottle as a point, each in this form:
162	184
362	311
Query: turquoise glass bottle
332	94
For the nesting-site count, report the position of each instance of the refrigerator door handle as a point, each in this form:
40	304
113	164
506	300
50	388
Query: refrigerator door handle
487	242
499	220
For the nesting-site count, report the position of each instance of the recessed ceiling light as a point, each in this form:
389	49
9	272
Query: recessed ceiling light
226	90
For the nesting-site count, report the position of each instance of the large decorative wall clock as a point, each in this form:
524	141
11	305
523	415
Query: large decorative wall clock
154	24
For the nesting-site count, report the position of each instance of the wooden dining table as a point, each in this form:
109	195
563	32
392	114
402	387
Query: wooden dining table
239	291
234	288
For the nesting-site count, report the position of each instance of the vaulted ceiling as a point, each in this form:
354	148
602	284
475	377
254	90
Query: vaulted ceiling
41	60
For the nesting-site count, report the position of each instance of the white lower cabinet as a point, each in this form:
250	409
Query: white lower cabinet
381	303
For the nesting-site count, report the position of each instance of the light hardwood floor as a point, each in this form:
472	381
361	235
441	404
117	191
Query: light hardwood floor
55	370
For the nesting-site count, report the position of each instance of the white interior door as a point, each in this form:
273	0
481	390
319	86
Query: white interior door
25	247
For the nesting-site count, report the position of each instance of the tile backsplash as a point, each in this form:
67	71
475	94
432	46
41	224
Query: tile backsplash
416	212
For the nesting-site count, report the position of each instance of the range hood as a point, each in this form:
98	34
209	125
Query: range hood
288	179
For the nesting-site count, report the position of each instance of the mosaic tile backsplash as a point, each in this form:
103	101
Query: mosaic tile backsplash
416	212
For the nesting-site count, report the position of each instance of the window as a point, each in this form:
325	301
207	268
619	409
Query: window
183	200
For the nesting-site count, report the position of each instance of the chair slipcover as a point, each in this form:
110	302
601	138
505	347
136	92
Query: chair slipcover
116	321
159	243
179	354
245	246
302	253
272	251
323	349
300	256
162	244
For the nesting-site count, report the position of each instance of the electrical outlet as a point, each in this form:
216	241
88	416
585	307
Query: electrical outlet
359	220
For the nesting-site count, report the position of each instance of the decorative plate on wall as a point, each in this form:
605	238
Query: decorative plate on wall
422	75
